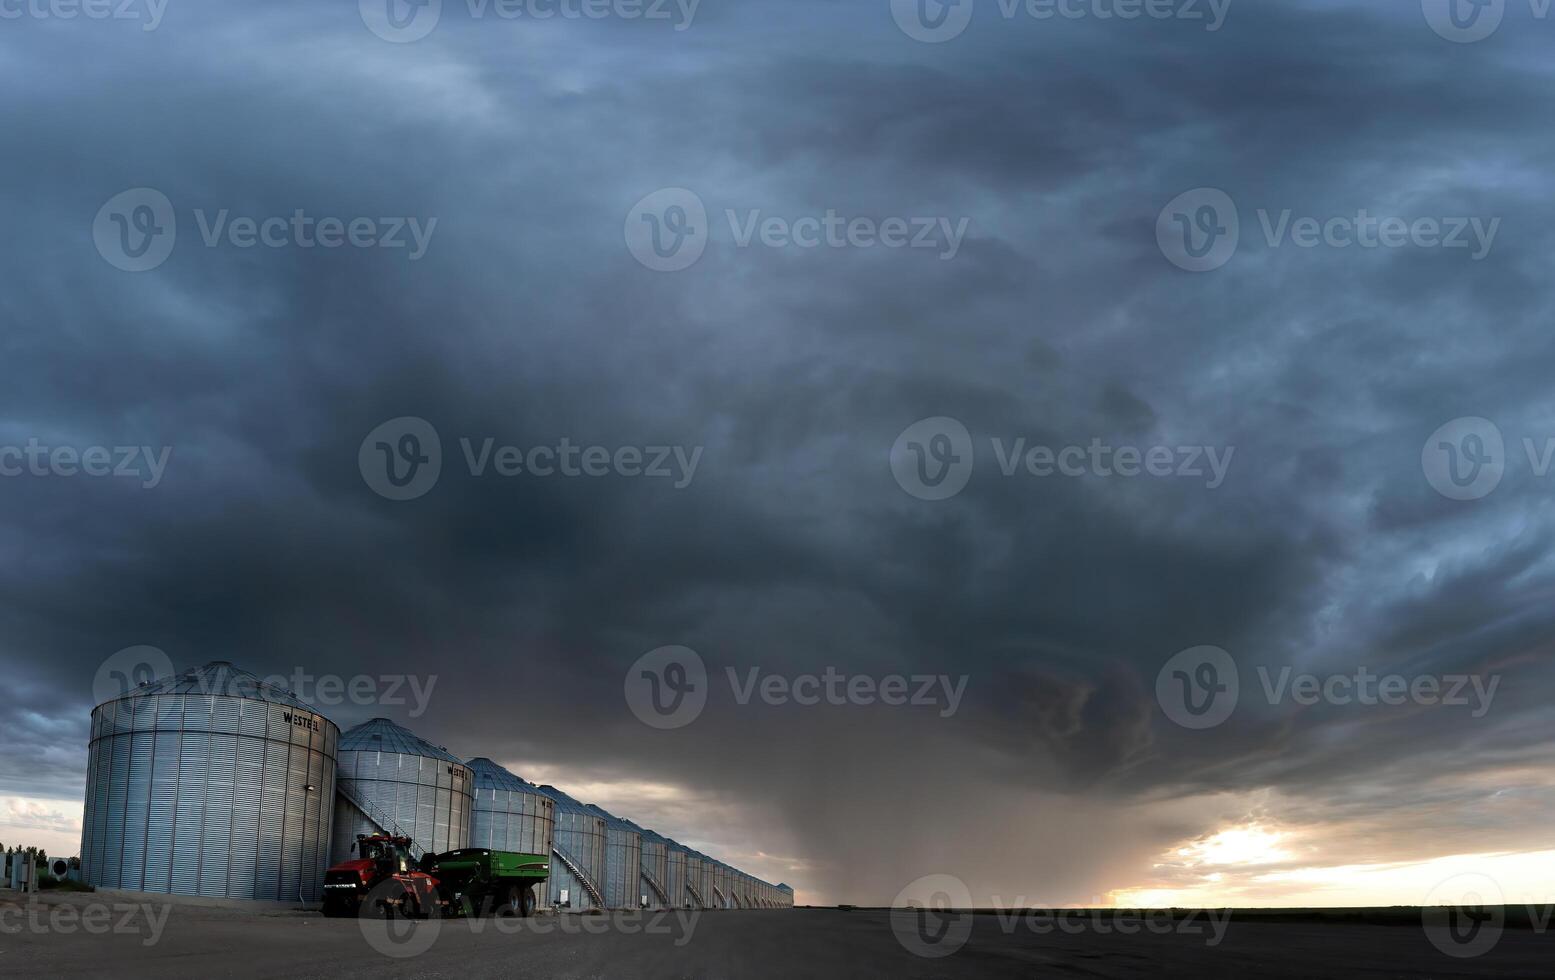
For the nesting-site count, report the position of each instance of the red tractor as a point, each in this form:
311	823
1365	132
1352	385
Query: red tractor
383	879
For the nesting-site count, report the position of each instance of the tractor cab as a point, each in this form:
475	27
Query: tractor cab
389	855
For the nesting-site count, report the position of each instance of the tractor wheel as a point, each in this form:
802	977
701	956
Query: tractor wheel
380	904
337	908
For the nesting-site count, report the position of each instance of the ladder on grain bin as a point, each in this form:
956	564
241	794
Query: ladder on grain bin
374	813
577	872
658	889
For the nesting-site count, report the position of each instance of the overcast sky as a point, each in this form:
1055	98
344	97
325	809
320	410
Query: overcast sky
1037	161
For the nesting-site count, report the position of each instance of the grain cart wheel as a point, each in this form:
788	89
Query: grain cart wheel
513	901
526	895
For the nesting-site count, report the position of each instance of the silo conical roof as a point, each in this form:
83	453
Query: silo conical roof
563	801
221	679
383	735
490	775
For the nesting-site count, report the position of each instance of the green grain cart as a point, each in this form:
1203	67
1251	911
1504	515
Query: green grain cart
475	880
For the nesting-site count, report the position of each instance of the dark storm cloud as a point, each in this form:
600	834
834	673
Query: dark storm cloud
793	549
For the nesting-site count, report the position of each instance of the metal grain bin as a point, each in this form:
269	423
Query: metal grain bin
732	895
723	877
390	780
509	814
675	879
696	881
209	782
579	848
657	887
785	896
715	883
624	886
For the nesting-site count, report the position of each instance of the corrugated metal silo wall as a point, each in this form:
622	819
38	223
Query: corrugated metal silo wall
720	887
623	867
726	885
656	863
675	875
582	836
695	884
512	820
705	883
430	799
209	795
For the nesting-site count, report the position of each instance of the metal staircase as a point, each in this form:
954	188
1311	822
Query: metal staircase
577	872
658	889
701	904
723	903
377	815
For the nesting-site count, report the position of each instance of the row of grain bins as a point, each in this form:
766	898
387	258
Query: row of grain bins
213	783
